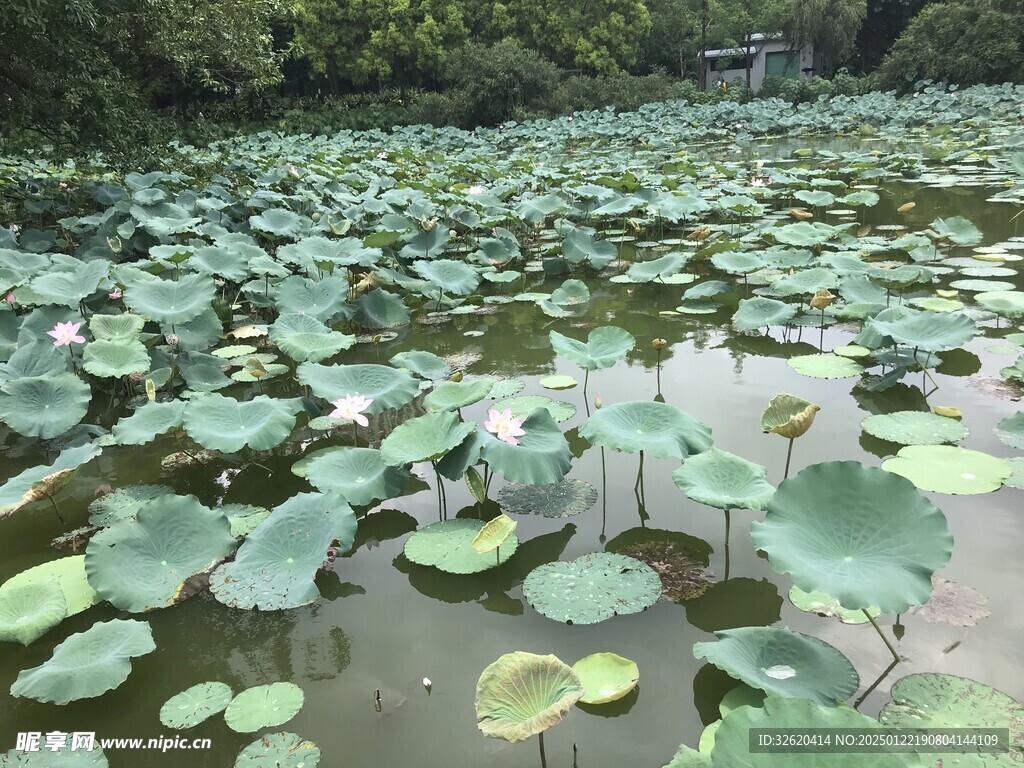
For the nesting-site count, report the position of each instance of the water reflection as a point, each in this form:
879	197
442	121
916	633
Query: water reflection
735	603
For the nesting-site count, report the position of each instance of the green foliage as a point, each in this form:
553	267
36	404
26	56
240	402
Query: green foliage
829	25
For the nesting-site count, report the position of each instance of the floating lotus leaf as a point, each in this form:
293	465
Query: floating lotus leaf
1004	303
124	503
782	663
788	415
558	382
938	304
195	705
762	313
320	299
387	387
542	456
914	428
952	603
358	475
304	338
46	481
605	346
592	588
937	700
380	309
144	564
659	429
170	301
563	499
281	750
1016	480
880	552
121	327
233	350
494	534
114	359
244	518
983	286
424	438
949	469
424	364
448	546
452	395
44	406
275	566
523	694
927	331
803	234
279	222
87	664
606	677
825	366
723	480
522	406
825	605
68	573
505	388
1011	430
64	758
149	421
29	611
732	740
264	706
449	275
224	424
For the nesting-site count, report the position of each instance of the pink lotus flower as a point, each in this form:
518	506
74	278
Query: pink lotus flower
351	407
66	334
504	426
758	182
115	294
10	297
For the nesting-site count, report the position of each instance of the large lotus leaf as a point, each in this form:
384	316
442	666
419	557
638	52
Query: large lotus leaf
723	480
35	358
44	406
949	469
264	706
452	395
219	260
804	282
388	387
280	750
1011	430
579	246
200	332
64	758
569	293
928	331
449	275
224	424
358	475
87	664
114	359
686	757
195	705
542	456
144	564
782	663
605	346
592	588
880	551
564	499
275	566
322	299
825	366
761	313
659	429
124	503
937	700
606	677
521	407
37	483
124	326
1005	303
424	438
957	230
68	287
147	422
302	337
732	740
448	546
803	234
424	364
279	222
29	611
871	338
914	428
788	415
68	573
737	262
523	694
380	309
170	301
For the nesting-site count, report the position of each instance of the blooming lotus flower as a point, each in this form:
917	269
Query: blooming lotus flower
115	294
66	334
504	426
10	297
758	182
351	407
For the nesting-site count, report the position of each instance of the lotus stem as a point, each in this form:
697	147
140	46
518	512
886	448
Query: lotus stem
55	509
728	521
789	455
355	434
442	497
870	688
604	498
640	473
543	757
881	634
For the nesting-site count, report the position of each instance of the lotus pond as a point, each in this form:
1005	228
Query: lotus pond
620	434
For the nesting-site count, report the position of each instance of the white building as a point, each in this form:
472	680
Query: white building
769	55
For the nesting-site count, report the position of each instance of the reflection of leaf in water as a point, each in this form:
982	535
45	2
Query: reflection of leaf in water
952	603
325	656
381	526
735	603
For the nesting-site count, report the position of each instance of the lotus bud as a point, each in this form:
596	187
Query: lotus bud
457	376
598	402
114	244
800	215
315	216
906	207
377	338
172	339
427	684
150	390
659	344
453	233
822	299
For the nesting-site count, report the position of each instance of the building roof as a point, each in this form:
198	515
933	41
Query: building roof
758	37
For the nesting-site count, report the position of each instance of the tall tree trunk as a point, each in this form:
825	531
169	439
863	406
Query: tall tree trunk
747	57
705	23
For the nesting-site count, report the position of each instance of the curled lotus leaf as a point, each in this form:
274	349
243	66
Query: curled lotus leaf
949	469
788	415
42	482
542	456
380	309
264	706
224	424
282	750
68	573
449	275
604	347
523	694
358	475
659	429
388	387
195	705
320	299
424	364
914	428
304	338
827	606
448	546
44	406
494	534
124	326
523	405
606	677
425	438
724	480
29	611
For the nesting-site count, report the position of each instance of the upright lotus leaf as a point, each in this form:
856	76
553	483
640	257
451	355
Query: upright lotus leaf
723	480
452	395
304	338
149	421
67	573
44	406
29	611
1003	303
732	740
659	429
563	499
124	503
949	469
224	424
523	694
448	546
1011	430
275	566
380	309
927	331
424	364
957	230
605	346
606	677
881	551
114	359
144	564
321	299
873	339
914	428
542	456
761	313
123	326
571	292
494	534
424	438
825	366
195	705
737	262
388	387
44	481
264	706
592	588
579	246
33	358
68	287
449	275
87	664
782	663
170	301
788	415
358	475
282	750
277	222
